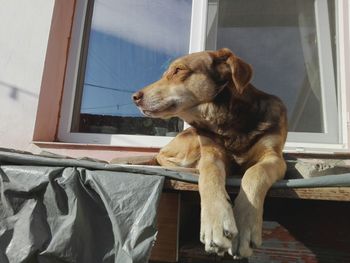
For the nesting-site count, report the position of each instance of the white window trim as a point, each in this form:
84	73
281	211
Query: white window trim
197	43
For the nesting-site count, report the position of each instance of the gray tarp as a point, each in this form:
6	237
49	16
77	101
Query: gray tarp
72	214
56	210
332	179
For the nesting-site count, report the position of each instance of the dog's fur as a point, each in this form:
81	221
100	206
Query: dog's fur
233	125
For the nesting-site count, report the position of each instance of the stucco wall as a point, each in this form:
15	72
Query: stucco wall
24	31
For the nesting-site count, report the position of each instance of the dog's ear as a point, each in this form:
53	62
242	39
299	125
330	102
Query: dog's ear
240	72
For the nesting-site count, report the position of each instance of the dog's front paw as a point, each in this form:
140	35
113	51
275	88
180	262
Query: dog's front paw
249	223
218	227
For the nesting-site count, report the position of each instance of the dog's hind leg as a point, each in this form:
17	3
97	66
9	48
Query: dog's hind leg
182	151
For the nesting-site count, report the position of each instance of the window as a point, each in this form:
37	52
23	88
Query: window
294	46
124	45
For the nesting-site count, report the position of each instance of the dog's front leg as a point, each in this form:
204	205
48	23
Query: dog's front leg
218	227
249	203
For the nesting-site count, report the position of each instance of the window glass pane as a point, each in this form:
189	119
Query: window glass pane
281	39
130	45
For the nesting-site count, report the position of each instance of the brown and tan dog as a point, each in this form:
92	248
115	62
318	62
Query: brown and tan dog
232	123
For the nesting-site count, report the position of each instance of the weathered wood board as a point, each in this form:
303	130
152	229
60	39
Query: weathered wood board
294	231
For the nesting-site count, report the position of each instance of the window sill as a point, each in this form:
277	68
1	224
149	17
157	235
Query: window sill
95	151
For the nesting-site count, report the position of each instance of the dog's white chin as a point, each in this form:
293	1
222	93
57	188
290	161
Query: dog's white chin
164	111
158	114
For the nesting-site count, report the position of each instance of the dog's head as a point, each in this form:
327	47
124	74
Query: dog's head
192	80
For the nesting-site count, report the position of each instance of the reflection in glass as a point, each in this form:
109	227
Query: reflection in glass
281	41
130	45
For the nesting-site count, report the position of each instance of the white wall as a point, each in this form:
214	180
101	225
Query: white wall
24	31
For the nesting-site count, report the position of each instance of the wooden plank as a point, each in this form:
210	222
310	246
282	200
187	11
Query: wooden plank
322	193
166	245
319	193
181	186
135	160
279	246
293	231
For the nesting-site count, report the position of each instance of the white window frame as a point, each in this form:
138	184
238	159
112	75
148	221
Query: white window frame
339	135
336	136
64	130
327	79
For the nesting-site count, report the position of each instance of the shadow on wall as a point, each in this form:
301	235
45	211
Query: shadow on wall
15	91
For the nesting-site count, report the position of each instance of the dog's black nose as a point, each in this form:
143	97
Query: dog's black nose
137	97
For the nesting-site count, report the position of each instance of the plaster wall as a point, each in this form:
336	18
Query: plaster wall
24	32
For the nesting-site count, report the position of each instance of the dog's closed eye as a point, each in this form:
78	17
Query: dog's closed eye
177	70
171	72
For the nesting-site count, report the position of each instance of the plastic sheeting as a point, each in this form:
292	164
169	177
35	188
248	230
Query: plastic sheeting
15	157
72	214
56	210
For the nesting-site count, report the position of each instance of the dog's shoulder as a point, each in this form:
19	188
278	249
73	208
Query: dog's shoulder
257	115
